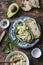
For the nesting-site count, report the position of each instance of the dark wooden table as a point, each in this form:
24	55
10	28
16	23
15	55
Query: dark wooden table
38	15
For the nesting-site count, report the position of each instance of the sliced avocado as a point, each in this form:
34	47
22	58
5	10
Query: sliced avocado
12	10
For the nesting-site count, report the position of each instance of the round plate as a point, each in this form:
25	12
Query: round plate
21	44
17	52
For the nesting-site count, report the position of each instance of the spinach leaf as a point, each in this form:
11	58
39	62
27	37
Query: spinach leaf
15	41
6	50
16	30
10	45
6	39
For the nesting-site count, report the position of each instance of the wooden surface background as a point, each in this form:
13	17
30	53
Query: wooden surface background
38	15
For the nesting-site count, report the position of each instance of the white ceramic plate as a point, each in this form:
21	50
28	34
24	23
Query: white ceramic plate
15	52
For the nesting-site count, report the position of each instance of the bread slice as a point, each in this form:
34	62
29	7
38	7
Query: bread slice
26	5
33	27
35	3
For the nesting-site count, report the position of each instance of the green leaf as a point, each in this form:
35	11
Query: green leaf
10	45
16	41
16	30
6	50
6	39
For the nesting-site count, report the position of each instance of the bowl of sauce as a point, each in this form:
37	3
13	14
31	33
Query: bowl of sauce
4	23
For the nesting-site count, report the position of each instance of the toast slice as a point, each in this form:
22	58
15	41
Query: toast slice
33	27
26	5
35	3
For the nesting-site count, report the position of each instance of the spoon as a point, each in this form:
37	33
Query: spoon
16	60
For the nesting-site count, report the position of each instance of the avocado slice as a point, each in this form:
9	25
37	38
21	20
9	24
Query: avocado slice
12	10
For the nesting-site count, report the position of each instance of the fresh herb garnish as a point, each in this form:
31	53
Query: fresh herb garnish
10	44
6	50
16	30
16	41
6	39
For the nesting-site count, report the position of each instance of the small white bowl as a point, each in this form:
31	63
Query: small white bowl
36	53
4	26
15	52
